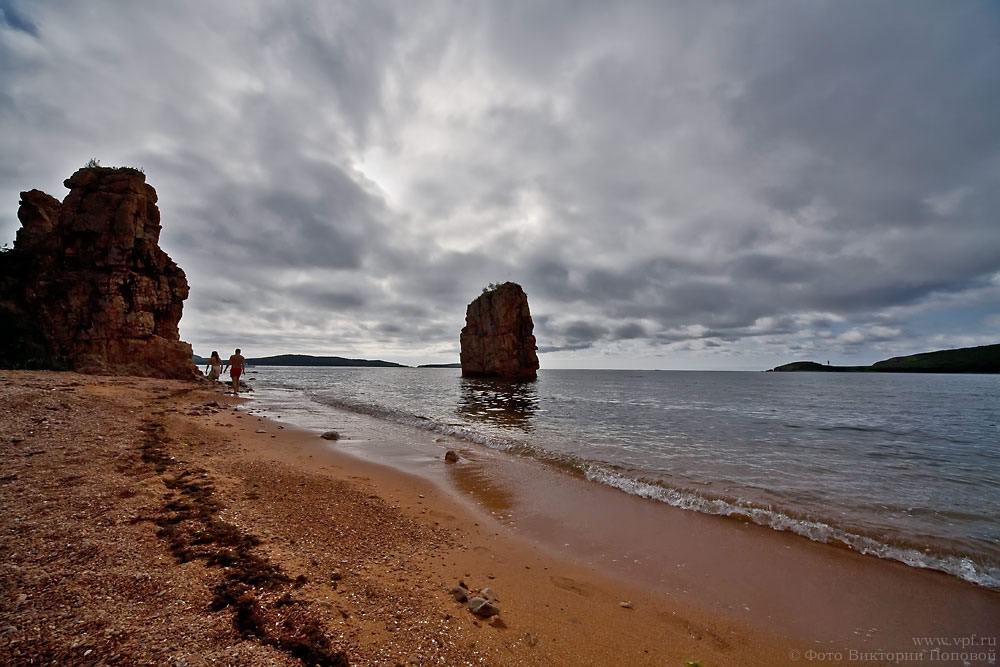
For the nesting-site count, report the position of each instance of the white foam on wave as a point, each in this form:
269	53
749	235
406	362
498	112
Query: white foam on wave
963	567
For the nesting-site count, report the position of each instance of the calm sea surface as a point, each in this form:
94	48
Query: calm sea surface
902	466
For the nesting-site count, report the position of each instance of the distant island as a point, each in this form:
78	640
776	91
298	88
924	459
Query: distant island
982	359
308	360
457	364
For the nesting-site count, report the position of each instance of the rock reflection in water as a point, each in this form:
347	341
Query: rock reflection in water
503	403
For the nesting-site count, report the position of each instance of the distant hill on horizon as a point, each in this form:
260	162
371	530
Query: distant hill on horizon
981	359
309	360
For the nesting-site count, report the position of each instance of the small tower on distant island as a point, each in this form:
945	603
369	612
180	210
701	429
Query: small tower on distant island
498	338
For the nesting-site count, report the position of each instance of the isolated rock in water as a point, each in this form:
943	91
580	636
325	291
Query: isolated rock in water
89	280
497	339
330	435
450	456
481	607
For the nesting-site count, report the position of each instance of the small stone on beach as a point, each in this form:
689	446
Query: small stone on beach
330	435
450	456
625	605
480	607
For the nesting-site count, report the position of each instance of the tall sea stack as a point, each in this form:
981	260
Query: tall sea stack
87	287
497	340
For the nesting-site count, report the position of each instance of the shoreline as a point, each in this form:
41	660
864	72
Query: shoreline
358	561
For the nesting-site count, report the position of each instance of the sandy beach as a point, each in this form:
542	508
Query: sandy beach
159	522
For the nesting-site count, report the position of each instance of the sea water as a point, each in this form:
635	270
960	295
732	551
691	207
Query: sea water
901	466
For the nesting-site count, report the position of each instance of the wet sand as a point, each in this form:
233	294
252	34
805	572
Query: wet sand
133	507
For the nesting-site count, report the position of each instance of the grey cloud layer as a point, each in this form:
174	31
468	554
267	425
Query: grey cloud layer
659	176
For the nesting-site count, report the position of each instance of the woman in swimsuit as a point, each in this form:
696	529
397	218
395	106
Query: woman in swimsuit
214	367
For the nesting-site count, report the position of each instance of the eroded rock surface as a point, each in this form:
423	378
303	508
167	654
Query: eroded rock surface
497	339
87	286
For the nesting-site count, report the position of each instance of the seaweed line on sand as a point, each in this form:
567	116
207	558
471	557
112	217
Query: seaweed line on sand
191	525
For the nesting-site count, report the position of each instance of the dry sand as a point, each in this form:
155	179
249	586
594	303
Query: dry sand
147	522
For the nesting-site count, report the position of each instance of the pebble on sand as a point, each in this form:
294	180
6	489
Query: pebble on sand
481	607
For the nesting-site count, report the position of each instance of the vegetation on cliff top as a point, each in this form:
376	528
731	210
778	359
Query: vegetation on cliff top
495	287
94	163
982	359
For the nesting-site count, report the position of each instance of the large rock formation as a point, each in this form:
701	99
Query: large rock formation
497	339
87	286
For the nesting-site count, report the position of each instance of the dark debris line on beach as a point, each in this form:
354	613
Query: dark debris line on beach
191	525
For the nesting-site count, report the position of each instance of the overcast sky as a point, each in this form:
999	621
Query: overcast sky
675	184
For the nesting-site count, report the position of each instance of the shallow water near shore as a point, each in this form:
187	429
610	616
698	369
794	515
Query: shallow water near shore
905	467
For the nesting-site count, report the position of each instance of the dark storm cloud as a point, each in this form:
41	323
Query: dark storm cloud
333	300
276	226
851	79
659	177
629	331
12	18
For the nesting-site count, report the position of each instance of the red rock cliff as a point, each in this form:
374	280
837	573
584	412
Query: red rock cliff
93	281
497	339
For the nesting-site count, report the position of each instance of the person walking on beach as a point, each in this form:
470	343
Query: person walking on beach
235	366
214	367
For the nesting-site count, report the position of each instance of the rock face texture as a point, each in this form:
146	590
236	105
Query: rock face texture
497	340
87	286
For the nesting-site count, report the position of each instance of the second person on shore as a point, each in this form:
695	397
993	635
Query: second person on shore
235	365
